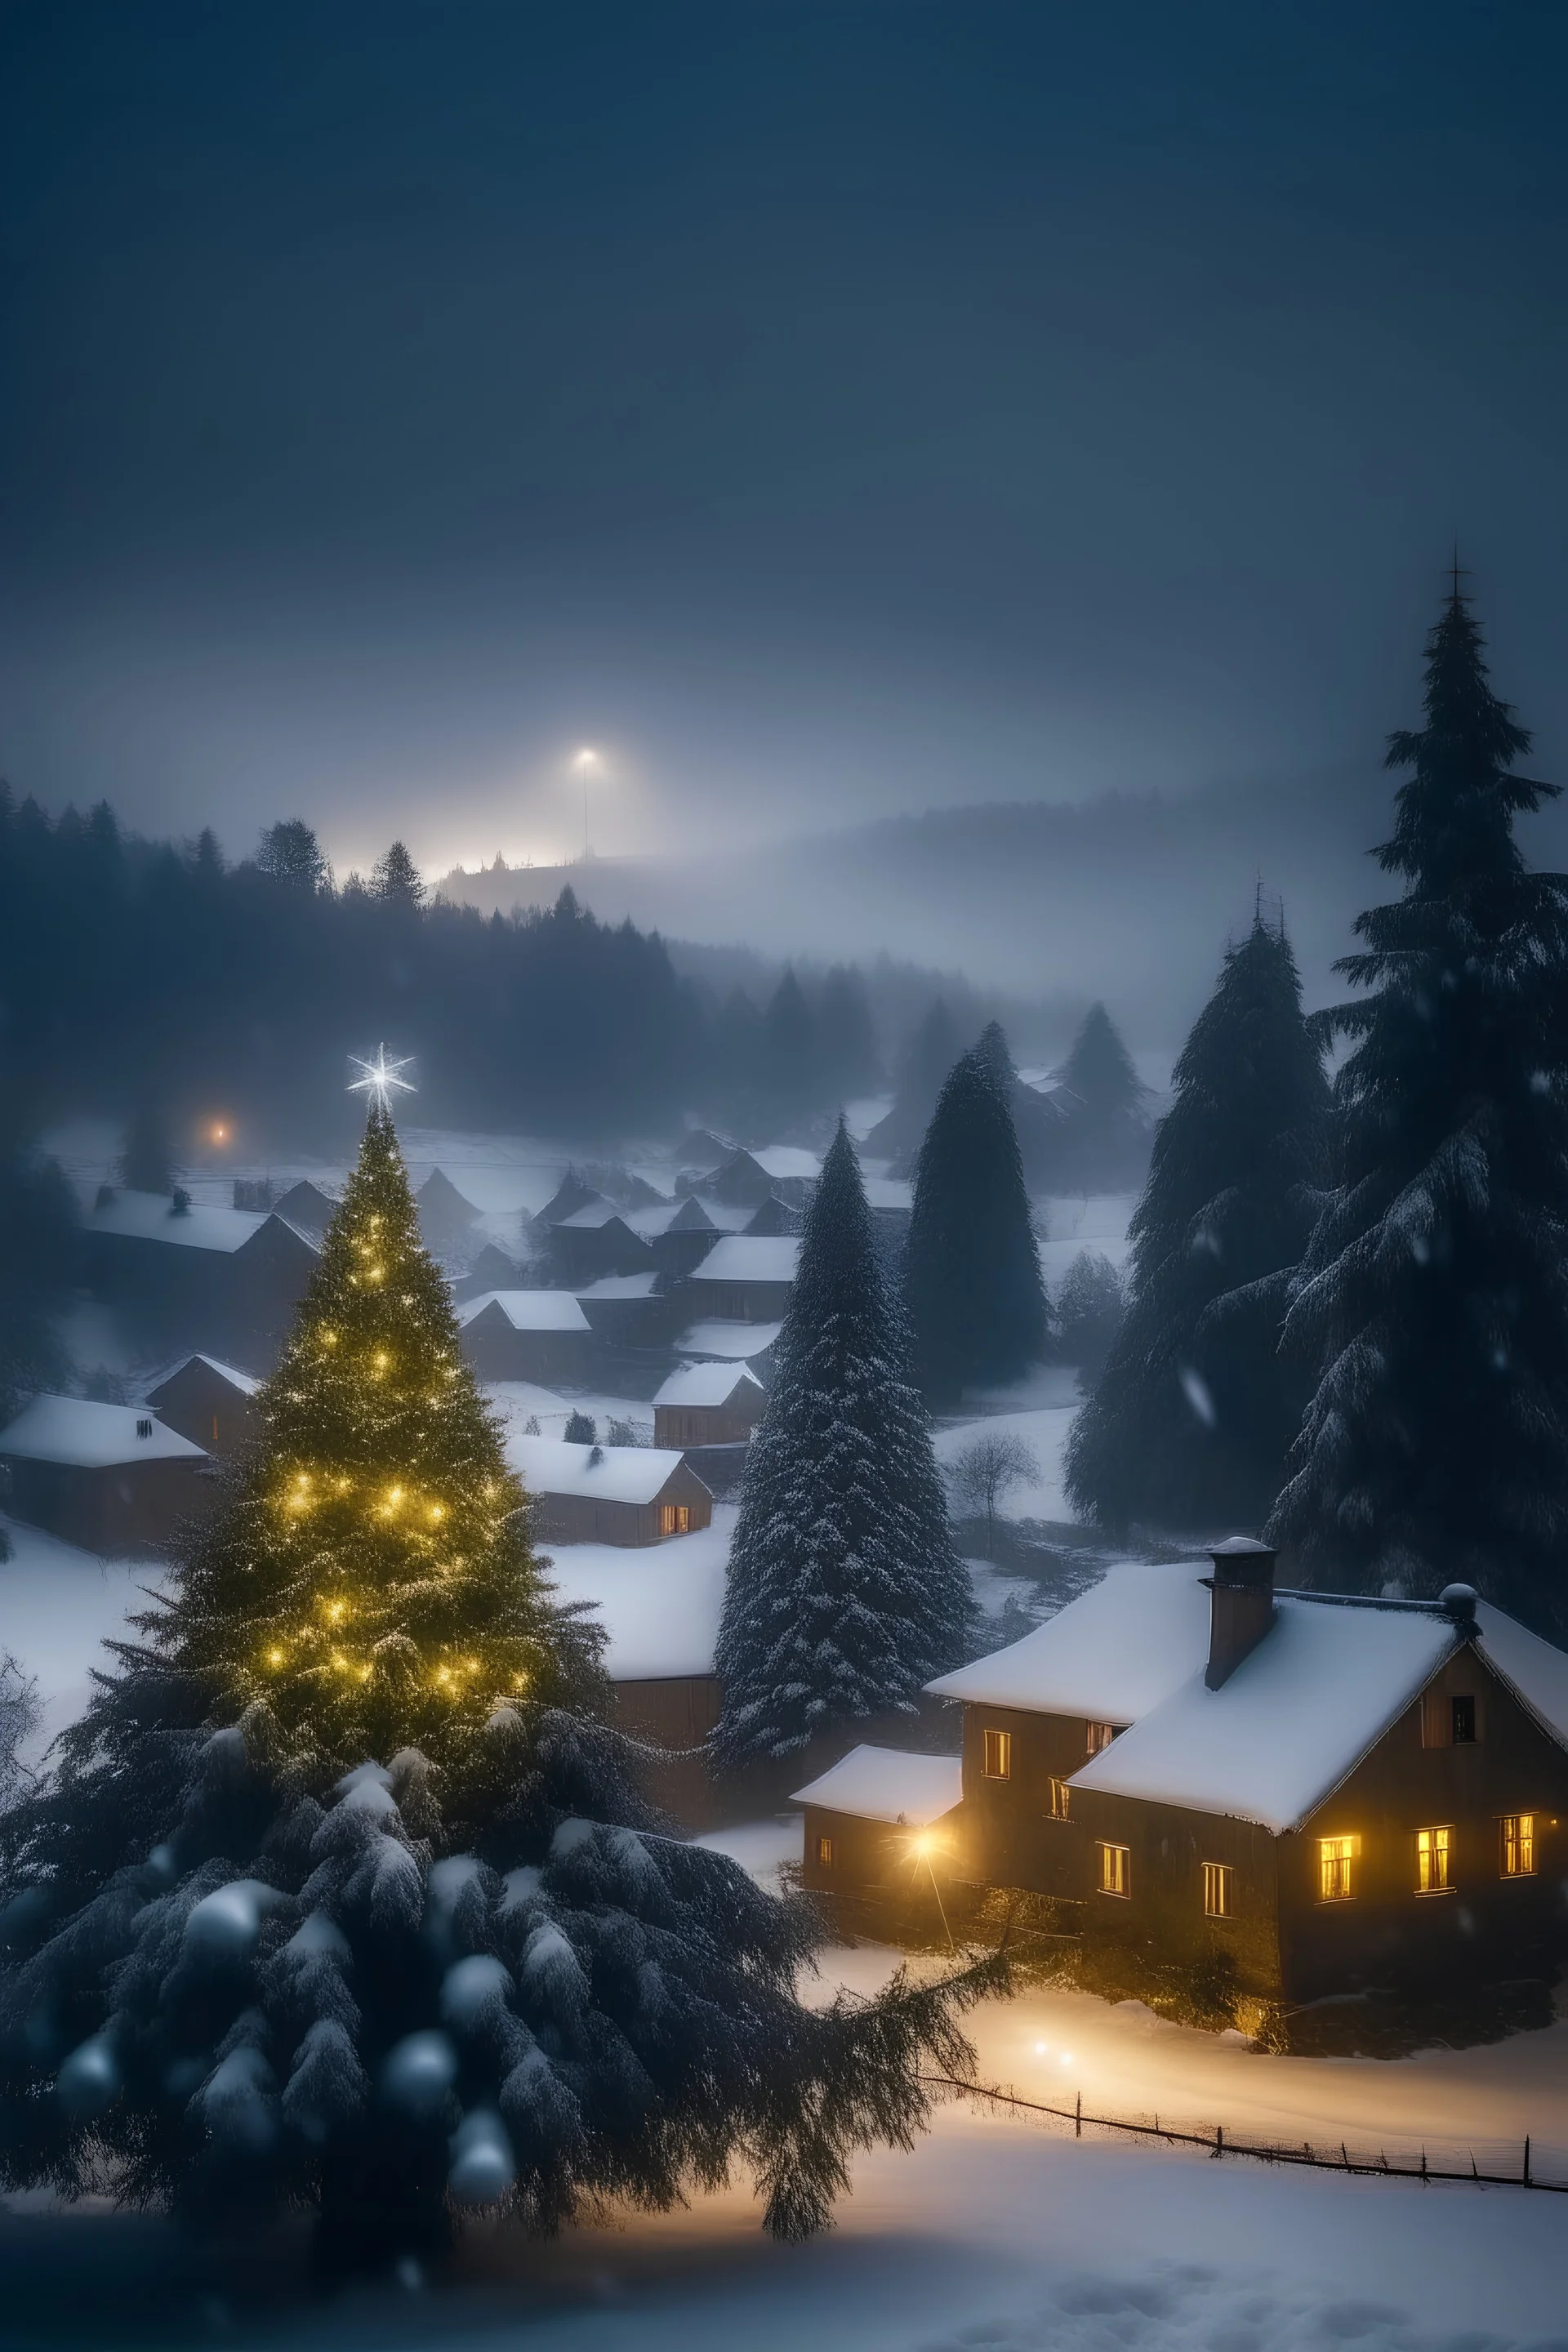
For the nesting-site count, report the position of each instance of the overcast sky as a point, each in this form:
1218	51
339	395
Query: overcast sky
827	410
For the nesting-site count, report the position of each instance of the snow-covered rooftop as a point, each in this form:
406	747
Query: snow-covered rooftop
736	1342
660	1606
529	1310
592	1218
1110	1655
151	1216
620	1286
1538	1672
888	1784
786	1160
622	1474
93	1436
751	1257
245	1383
1289	1722
707	1384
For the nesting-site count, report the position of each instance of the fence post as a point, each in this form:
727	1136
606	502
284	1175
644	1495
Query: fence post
1078	2118
1219	2139
1527	2159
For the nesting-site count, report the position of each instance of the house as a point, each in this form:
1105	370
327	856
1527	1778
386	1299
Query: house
447	1219
745	1279
752	1344
491	1270
305	1206
527	1335
596	1241
184	1274
678	1234
746	1180
109	1478
771	1218
623	1494
569	1194
878	1822
707	1404
211	1403
1303	1795
629	1312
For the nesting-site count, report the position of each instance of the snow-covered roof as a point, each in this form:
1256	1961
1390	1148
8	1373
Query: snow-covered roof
688	1216
784	1161
707	1384
1289	1722
151	1217
620	1286
245	1383
592	1218
660	1607
93	1436
888	1193
751	1257
1110	1655
736	1342
888	1784
1538	1672
529	1310
622	1474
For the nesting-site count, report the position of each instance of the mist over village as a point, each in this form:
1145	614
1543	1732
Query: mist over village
783	1178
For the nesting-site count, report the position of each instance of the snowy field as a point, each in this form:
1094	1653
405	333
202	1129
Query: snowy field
1083	1221
57	1606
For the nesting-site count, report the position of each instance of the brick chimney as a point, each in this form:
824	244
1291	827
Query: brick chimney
1241	1604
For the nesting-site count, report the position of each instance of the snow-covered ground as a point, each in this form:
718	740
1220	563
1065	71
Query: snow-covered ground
517	1402
1044	1429
57	1606
1083	1221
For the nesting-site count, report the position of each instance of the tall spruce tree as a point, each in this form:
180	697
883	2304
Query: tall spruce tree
339	1898
927	1054
1106	1138
1433	1300
1195	1411
845	1594
972	1270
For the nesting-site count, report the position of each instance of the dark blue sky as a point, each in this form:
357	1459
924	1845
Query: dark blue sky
830	409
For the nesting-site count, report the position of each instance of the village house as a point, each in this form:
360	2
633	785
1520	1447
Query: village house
876	1822
527	1335
629	1314
491	1270
596	1240
745	1279
771	1218
719	1342
707	1404
109	1478
185	1273
447	1221
749	1178
679	1233
306	1206
629	1495
212	1403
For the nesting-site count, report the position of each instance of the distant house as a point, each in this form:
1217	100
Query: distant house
745	1279
596	1241
1311	1794
569	1194
629	1312
872	1821
447	1219
491	1270
773	1218
527	1335
678	1234
306	1206
707	1404
211	1403
621	1495
111	1478
228	1279
748	1178
719	1342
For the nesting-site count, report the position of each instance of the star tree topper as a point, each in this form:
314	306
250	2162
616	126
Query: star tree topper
380	1079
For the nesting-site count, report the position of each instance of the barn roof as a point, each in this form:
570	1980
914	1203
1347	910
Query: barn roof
734	1342
245	1383
528	1310
1110	1655
707	1384
620	1286
783	1162
152	1217
1289	1722
751	1257
606	1474
888	1784
91	1436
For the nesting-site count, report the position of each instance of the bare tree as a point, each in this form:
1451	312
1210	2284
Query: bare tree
983	1473
19	1714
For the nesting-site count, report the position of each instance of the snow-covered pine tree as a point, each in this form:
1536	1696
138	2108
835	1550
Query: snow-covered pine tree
1433	1300
1195	1411
1107	1136
845	1594
340	1896
975	1301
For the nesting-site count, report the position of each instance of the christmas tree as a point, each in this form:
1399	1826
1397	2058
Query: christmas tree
976	1302
1434	1297
341	1898
845	1594
1195	1411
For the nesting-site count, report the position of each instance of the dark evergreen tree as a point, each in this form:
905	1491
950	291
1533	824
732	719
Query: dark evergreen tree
37	1267
789	1044
1195	1411
1089	1308
395	879
146	1161
339	1898
289	853
845	1594
1107	1139
848	1062
928	1055
972	1269
1433	1297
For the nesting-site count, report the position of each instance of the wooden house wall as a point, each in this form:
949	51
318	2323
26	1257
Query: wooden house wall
496	1350
873	1857
739	1302
592	1519
587	1253
202	1406
731	1424
1009	1837
674	1713
130	1510
1162	1917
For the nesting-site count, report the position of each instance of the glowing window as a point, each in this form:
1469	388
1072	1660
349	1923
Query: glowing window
996	1761
1115	1870
1061	1801
1101	1735
1519	1845
825	1852
1337	1858
675	1518
1218	1878
1432	1850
